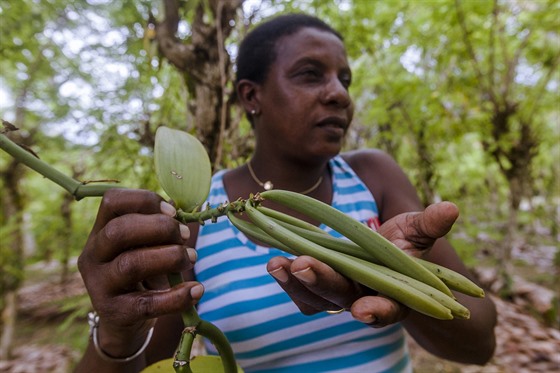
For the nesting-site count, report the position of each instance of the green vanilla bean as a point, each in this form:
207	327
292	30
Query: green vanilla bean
288	219
454	280
251	230
337	244
457	309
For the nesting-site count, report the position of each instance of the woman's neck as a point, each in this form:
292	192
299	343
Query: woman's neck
302	177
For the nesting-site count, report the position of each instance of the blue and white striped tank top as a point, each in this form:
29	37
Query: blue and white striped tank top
267	331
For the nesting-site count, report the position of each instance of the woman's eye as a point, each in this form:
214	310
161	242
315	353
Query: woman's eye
310	73
346	80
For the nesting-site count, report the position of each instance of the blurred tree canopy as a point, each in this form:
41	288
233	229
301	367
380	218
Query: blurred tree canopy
464	94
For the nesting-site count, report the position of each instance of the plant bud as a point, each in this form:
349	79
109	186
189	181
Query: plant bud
182	167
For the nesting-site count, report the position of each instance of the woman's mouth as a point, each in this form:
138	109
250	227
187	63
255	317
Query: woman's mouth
335	126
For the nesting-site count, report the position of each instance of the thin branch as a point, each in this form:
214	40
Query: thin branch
472	54
542	86
492	46
179	54
511	64
505	56
223	80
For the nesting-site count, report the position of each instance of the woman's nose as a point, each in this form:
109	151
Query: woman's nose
336	93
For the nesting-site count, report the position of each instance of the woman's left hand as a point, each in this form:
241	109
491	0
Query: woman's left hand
315	287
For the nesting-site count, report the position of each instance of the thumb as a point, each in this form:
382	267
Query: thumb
419	230
437	219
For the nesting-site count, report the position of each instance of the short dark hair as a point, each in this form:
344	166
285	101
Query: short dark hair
257	51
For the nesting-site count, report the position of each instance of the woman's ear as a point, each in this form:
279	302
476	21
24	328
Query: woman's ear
247	95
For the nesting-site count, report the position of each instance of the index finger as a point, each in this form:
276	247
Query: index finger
325	282
308	302
117	202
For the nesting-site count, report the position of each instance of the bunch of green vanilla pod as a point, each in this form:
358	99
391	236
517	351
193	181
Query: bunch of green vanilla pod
363	255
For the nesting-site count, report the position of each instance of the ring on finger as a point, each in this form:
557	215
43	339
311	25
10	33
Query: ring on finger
336	311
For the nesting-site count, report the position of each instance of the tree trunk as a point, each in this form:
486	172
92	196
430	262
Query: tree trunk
427	174
8	324
515	162
205	65
66	214
12	207
513	137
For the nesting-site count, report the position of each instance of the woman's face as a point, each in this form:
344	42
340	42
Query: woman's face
304	102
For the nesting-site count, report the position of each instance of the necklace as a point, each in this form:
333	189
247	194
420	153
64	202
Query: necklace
267	185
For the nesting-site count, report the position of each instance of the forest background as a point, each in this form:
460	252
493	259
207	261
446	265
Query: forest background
464	94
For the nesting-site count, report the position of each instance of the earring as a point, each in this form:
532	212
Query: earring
253	112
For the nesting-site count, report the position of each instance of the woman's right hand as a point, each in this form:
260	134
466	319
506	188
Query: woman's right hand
135	242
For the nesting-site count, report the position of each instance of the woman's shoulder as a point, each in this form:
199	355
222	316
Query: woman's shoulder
369	160
385	179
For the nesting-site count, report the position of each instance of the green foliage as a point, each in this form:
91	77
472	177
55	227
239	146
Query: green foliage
76	310
467	251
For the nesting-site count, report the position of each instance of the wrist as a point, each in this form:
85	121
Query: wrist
118	344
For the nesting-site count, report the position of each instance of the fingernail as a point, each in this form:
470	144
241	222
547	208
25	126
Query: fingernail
193	255
185	232
306	275
369	319
279	274
197	291
167	209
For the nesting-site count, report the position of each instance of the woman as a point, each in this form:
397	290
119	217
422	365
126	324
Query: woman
293	79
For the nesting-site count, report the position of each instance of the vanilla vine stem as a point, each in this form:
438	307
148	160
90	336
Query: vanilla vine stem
80	189
76	188
193	323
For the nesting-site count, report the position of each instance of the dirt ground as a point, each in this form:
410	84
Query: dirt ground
524	345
